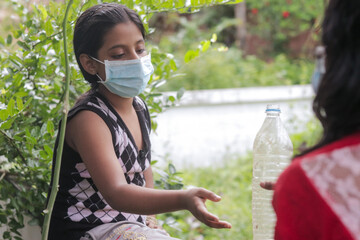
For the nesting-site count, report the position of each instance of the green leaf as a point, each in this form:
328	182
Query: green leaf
43	154
18	138
17	33
179	3
172	65
6	235
205	46
4	114
50	127
24	45
21	94
48	150
11	106
43	11
27	103
191	54
172	169
213	38
7	125
48	28
2	41
19	103
43	129
36	132
180	93
9	39
172	98
3	218
17	79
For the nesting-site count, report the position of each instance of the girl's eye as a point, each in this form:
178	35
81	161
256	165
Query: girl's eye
118	56
140	51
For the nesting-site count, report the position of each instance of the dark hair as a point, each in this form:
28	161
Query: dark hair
337	102
93	24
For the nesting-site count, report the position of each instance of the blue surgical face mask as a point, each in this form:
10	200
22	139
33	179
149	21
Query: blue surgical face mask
319	70
127	78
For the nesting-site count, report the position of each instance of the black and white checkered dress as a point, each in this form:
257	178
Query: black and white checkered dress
79	205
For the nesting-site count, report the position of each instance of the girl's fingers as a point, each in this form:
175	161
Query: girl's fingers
219	224
202	214
210	217
209	195
213	221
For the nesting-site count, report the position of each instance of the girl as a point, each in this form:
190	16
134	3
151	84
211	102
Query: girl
106	175
318	196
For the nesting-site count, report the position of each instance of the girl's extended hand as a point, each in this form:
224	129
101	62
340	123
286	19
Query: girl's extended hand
195	202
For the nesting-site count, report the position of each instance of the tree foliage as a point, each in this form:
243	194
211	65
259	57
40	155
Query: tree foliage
32	69
280	20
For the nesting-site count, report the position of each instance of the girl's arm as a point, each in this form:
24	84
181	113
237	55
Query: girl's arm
149	179
90	137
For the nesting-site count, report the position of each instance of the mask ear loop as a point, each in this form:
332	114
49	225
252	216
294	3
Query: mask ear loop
101	80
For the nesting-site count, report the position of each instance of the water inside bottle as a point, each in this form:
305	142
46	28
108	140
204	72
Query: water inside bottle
263	214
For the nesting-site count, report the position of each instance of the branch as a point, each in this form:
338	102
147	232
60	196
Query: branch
49	37
54	187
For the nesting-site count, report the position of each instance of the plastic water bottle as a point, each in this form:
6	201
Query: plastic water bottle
272	151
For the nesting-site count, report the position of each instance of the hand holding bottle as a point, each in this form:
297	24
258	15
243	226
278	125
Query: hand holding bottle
267	185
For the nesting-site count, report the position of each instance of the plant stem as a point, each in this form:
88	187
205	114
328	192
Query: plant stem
54	187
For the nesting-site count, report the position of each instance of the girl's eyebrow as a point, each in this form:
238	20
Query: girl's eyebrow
124	46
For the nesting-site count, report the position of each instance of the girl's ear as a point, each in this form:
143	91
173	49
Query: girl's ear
89	65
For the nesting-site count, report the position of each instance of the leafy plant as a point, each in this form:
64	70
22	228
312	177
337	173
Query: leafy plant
221	67
279	20
308	138
168	178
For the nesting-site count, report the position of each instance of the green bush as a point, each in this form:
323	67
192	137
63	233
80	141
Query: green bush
280	20
308	138
227	68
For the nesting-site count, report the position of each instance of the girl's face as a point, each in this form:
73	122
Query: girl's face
123	42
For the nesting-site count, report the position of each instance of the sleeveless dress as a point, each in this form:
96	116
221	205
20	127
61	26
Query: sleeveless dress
318	196
79	206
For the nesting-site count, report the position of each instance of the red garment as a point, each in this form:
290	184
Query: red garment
318	196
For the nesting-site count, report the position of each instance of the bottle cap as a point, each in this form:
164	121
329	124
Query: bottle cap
272	108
